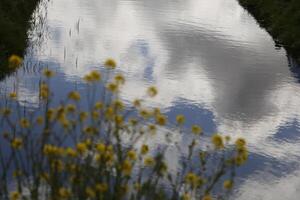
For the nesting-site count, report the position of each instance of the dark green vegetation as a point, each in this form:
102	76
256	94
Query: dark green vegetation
14	23
281	18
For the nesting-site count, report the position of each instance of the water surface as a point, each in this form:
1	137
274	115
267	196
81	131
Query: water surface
210	60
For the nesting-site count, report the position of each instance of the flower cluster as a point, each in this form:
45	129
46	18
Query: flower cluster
101	151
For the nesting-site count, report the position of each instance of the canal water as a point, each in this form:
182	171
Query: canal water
210	60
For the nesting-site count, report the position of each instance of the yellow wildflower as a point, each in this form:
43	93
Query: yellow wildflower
112	87
228	184
39	120
110	63
48	73
71	108
101	187
64	193
145	113
119	120
131	155
6	111
81	148
16	143
14	61
227	138
196	129
126	168
161	120
88	78
119	78
90	192
152	91
217	140
109	114
180	119
74	96
98	105
95	75
192	179
186	196
144	149
24	123
83	116
152	128
13	95
44	91
100	147
240	142
95	115
118	105
15	195
70	152
149	161
137	103
133	121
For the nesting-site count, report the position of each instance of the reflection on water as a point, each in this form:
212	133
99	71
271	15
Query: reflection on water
210	60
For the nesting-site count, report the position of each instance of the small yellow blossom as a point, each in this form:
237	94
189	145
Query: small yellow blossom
228	184
152	91
6	112
100	147
48	73
196	130
192	179
126	168
96	76
207	197
110	63
88	78
119	78
119	120
109	114
64	193
74	96
14	61
161	120
217	140
90	192
24	123
118	105
15	195
112	87
227	138
133	121
98	105
180	119
83	116
240	142
131	155
16	143
81	148
39	120
71	108
144	149
101	187
13	95
71	152
152	128
137	103
149	161
145	113
186	196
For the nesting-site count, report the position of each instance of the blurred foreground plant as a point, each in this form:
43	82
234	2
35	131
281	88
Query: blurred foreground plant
103	150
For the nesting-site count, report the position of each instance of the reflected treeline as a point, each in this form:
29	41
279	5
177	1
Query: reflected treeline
15	23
